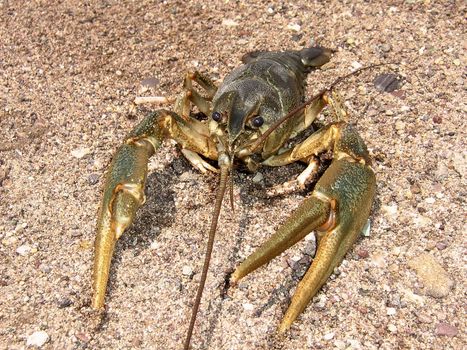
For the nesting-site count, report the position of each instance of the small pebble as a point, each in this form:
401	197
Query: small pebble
445	329
437	119
387	82
400	125
64	302
149	83
354	344
9	241
229	23
363	253
83	337
441	245
413	298
378	260
459	162
23	250
390	311
389	210
93	179
392	328
294	26
297	37
328	336
187	271
21	227
396	251
350	41
80	152
385	47
435	279
366	229
38	339
424	318
155	245
45	268
415	188
321	304
248	306
258	178
356	65
339	344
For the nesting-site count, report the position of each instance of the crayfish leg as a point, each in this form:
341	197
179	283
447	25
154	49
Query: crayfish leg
190	95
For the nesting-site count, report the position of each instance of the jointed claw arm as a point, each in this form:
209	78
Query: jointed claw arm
337	210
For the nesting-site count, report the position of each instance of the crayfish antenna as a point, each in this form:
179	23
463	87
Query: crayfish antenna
231	191
212	231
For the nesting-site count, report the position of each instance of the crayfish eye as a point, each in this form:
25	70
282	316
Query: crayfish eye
257	121
216	116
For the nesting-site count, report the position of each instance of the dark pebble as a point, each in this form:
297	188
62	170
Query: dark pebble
64	302
363	253
150	82
93	179
437	119
387	82
297	37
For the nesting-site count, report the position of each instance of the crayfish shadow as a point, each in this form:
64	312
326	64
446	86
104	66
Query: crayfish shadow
156	213
215	305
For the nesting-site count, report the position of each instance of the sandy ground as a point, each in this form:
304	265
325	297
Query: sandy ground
68	75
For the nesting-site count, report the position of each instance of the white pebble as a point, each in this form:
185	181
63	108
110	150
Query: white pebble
21	227
294	26
390	210
430	200
229	23
187	270
248	306
356	65
23	250
400	125
258	177
328	336
80	152
339	344
9	241
366	229
392	328
390	311
38	339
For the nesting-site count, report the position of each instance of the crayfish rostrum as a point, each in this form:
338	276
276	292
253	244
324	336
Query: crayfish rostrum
252	116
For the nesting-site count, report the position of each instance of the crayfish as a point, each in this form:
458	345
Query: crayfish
252	116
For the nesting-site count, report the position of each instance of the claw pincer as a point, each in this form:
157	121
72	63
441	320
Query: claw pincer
337	210
123	195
